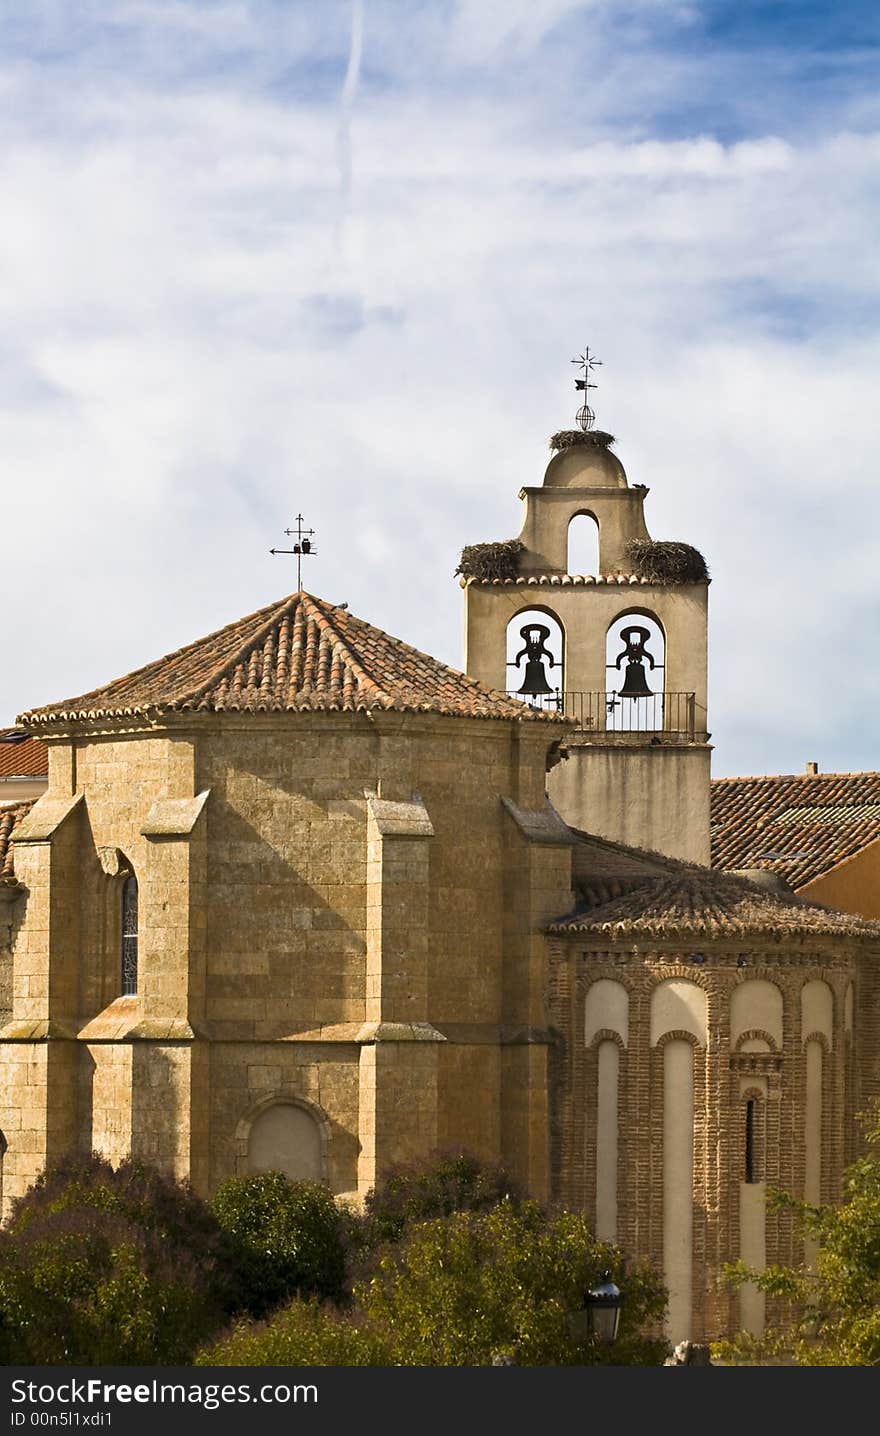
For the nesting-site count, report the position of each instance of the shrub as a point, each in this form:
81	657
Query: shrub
110	1266
86	1286
832	1308
448	1182
459	1290
287	1238
303	1334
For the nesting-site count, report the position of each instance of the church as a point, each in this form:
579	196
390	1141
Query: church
299	896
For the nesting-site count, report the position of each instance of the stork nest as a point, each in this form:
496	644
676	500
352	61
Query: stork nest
567	438
491	560
666	562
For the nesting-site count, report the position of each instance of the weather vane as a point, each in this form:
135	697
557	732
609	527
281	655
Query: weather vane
302	546
587	362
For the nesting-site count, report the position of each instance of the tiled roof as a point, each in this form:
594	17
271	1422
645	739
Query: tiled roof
628	892
22	756
566	580
800	825
299	655
9	821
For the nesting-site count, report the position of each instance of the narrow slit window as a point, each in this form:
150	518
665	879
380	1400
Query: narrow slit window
130	937
750	1140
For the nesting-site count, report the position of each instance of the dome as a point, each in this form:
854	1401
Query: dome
586	463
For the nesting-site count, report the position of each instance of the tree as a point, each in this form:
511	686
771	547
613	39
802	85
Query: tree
461	1290
286	1237
833	1316
102	1266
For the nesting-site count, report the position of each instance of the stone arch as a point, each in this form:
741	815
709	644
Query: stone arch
548	635
817	1011
606	1010
679	1008
582	543
285	1133
756	1011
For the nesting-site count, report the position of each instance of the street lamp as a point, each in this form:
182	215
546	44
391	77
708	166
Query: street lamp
599	1317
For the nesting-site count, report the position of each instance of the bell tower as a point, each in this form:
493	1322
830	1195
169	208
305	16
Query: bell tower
622	651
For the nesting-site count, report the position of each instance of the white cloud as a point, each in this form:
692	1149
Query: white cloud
189	357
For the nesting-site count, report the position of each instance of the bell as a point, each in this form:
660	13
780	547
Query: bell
535	679
635	684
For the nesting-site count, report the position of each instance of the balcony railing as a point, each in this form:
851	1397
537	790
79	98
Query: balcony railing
677	714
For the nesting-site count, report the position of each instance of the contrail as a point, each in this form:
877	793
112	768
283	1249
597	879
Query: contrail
346	104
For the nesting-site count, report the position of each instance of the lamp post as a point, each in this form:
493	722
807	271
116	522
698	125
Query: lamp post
599	1317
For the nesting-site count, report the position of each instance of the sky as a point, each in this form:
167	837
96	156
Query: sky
333	257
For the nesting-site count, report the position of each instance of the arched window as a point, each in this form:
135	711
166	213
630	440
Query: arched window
635	664
583	545
129	936
535	658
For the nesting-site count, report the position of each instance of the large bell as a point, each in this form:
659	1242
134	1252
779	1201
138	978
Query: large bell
534	651
535	679
635	684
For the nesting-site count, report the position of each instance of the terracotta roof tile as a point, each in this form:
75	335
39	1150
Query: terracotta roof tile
9	820
800	825
298	655
22	756
567	580
627	892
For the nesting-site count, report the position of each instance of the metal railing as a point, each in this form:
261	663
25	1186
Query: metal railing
672	713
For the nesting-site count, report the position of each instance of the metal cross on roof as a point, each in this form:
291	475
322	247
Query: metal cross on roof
302	546
587	362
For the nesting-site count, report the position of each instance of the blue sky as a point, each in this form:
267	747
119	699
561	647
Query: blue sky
335	257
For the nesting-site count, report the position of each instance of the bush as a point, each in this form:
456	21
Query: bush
448	1182
287	1238
100	1267
461	1289
303	1334
832	1309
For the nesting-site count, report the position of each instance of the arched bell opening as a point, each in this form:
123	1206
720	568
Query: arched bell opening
583	545
536	658
635	667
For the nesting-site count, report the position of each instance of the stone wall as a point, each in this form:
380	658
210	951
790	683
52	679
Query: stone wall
321	924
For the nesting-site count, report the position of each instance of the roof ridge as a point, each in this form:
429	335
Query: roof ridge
315	607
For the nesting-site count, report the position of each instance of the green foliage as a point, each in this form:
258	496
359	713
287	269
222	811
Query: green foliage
287	1238
100	1267
833	1311
448	1182
303	1334
459	1290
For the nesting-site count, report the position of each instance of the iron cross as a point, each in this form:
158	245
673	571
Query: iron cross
302	546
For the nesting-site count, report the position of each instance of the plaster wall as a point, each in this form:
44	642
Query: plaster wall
585	613
853	886
643	795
